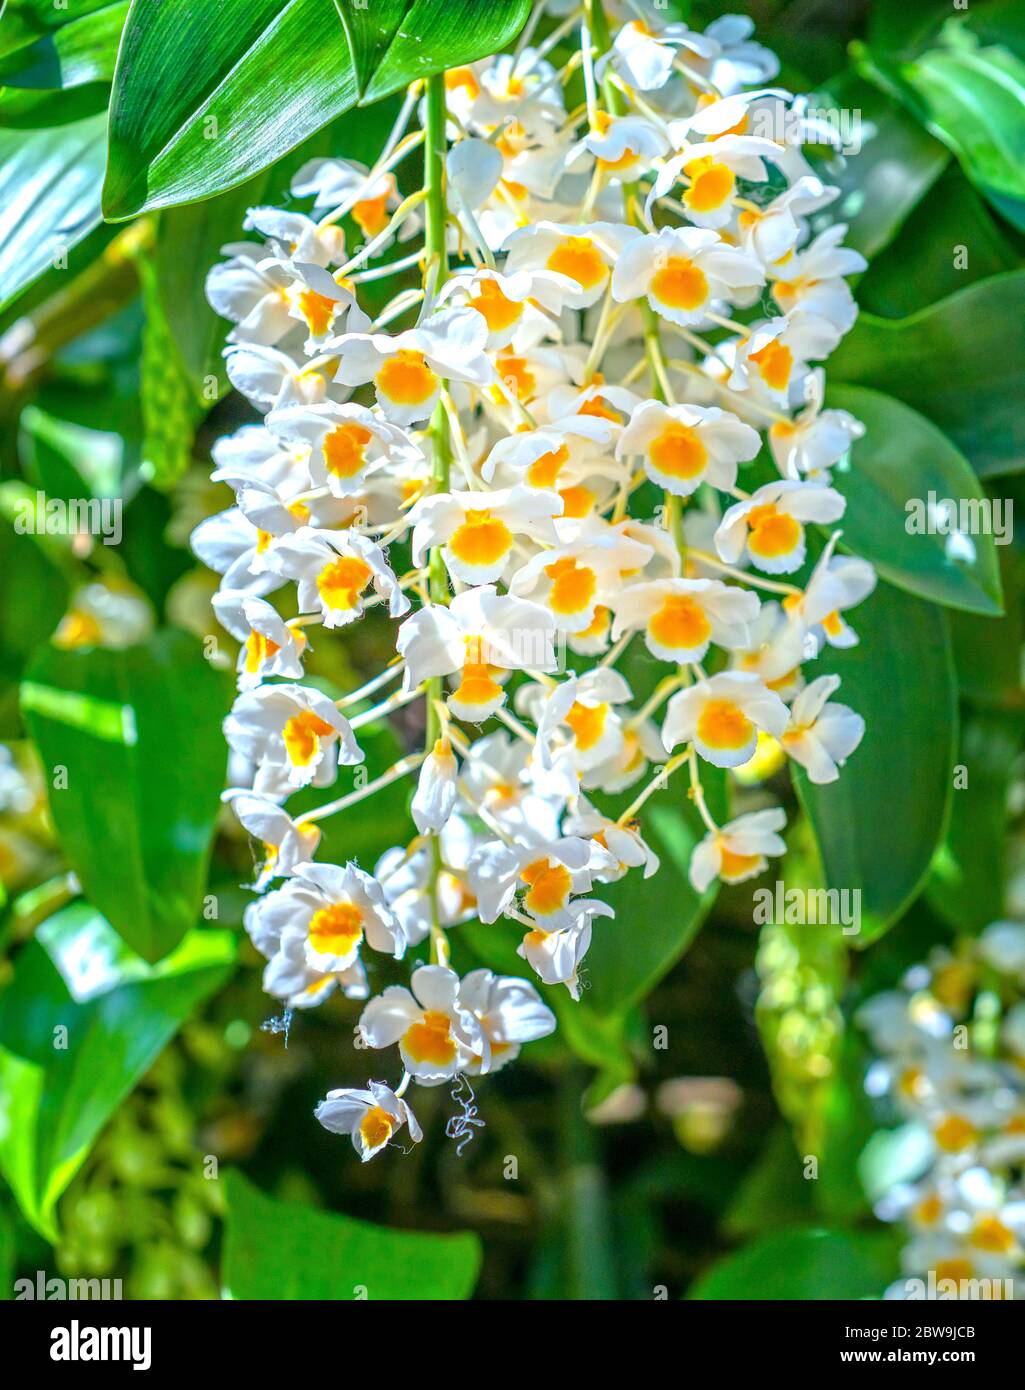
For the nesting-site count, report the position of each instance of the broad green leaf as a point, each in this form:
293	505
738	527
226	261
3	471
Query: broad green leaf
80	1023
966	887
950	240
206	96
805	1264
49	197
83	50
139	734
897	164
960	363
896	480
656	918
284	1250
878	824
430	36
974	100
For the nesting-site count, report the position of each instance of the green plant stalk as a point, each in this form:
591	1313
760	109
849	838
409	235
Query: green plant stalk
435	271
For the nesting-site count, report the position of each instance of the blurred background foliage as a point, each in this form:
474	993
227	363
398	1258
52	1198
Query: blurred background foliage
711	1062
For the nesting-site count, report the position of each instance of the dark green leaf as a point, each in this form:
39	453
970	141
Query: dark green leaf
878	825
950	240
896	477
804	1264
139	732
206	96
24	626
83	1019
283	1250
24	21
897	164
960	363
966	887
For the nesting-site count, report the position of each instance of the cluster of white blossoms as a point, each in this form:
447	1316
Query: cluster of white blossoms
532	462
952	1065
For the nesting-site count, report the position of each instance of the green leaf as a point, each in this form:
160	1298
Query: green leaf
82	50
139	733
49	197
22	22
24	626
960	363
878	825
656	918
988	656
896	477
897	164
81	1022
206	96
431	36
804	1264
284	1250
974	100
966	887
950	240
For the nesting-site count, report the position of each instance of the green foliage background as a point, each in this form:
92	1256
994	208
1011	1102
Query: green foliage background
641	1170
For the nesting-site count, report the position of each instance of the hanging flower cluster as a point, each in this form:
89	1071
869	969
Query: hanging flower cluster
952	1051
621	304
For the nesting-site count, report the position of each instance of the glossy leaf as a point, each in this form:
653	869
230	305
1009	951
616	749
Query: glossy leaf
284	1250
896	479
878	825
959	363
656	918
206	96
139	732
805	1264
49	197
974	99
431	36
82	1020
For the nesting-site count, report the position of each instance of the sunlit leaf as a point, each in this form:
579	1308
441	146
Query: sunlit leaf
83	1019
395	43
206	96
138	732
49	197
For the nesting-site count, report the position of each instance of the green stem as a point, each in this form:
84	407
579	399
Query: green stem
435	273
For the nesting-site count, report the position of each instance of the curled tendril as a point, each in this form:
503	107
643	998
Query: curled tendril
462	1128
